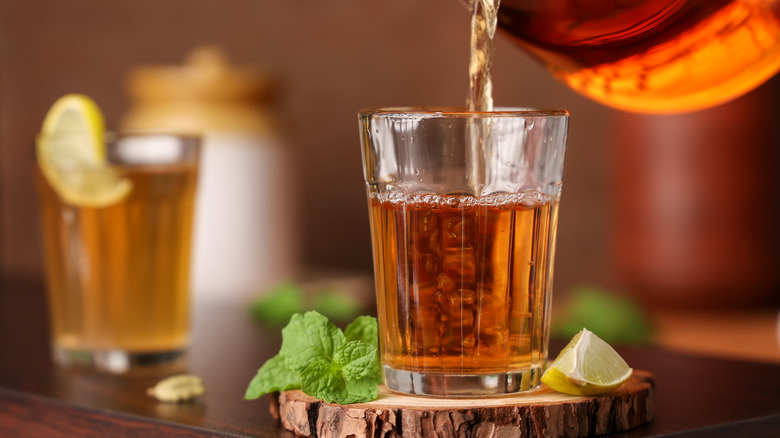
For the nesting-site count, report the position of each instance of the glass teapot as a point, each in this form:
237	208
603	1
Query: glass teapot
651	56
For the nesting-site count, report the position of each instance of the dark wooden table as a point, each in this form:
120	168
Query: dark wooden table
695	396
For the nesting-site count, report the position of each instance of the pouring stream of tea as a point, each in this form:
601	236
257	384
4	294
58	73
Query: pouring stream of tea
483	28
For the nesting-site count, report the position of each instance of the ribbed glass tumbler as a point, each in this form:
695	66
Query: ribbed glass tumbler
463	210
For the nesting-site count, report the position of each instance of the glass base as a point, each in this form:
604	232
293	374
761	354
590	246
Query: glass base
462	385
117	361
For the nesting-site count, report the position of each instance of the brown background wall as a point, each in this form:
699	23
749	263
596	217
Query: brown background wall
335	57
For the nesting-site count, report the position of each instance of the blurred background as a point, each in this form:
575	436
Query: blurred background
332	59
625	225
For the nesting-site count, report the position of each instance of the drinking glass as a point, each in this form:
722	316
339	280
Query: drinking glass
463	211
118	275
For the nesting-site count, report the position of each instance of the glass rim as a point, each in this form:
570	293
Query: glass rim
113	136
459	112
131	148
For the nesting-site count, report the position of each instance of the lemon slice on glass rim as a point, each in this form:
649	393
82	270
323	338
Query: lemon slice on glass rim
71	153
586	366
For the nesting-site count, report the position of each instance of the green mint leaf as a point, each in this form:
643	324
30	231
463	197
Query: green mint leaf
324	380
309	338
366	329
356	359
361	391
327	382
376	375
273	376
336	305
279	304
323	361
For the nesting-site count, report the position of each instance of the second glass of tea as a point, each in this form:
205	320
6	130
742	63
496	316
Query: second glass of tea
118	274
463	211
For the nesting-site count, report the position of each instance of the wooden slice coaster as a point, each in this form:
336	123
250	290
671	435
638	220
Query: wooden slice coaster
542	413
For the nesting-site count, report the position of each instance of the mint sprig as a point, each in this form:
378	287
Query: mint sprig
324	362
271	377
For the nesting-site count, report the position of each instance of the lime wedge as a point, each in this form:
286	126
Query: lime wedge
586	366
72	154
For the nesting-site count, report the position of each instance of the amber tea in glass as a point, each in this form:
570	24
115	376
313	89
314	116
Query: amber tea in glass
118	275
463	211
